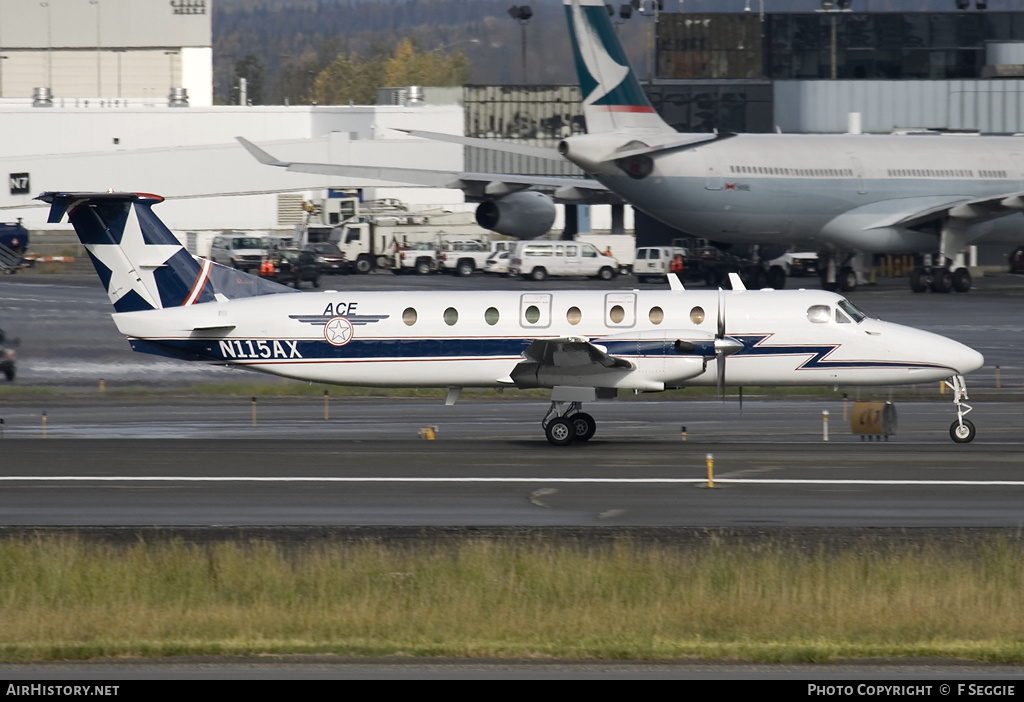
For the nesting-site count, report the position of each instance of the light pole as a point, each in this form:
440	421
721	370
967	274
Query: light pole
522	15
49	47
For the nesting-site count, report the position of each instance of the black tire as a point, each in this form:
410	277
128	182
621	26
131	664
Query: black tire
423	266
919	280
363	265
466	268
962	434
539	274
316	281
9	374
583	425
606	273
560	432
847	280
942	280
961	280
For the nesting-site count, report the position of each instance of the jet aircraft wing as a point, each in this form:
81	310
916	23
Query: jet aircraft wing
475	185
969	211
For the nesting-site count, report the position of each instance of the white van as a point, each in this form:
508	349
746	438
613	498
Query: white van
538	260
656	261
238	251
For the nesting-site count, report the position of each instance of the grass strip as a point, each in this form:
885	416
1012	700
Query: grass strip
66	598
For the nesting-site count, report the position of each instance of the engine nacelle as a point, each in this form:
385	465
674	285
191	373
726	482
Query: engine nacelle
524	215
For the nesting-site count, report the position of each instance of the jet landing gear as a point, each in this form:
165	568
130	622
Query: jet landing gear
566	422
940	280
962	430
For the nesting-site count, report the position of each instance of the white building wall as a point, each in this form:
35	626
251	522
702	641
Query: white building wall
821	106
107	49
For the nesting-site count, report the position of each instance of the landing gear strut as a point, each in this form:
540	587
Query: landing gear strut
962	430
566	422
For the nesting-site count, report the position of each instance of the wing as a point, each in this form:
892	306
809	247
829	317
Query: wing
567	362
477	186
893	226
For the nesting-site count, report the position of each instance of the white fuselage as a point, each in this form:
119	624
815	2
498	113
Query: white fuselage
476	339
828	189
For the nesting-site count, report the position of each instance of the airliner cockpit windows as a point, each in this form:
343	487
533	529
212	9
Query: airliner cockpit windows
856	313
819	314
841	318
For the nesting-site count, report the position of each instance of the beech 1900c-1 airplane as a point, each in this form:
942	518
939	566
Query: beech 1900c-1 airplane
583	345
841	193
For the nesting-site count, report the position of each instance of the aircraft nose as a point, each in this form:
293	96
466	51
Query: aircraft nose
965	359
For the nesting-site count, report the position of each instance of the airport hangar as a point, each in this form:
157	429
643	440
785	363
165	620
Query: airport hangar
128	105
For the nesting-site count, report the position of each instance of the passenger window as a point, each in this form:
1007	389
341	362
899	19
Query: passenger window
409	316
641	254
617	314
573	315
697	315
570	251
657	315
491	316
655	254
532	314
451	316
819	314
559	250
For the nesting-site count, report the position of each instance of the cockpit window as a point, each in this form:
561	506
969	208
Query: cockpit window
841	318
851	309
819	314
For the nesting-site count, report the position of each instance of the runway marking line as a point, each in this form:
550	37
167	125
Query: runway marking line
661	481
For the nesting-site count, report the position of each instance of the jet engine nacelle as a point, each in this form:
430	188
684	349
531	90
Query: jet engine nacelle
524	215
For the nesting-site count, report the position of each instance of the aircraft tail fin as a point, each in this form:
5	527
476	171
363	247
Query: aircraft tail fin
141	263
613	100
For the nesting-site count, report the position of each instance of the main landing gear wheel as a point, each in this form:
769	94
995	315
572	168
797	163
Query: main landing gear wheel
560	432
962	433
583	425
567	422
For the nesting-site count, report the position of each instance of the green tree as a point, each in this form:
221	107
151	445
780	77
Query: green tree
250	68
351	79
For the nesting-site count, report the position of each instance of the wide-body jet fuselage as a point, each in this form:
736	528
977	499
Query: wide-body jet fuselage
832	189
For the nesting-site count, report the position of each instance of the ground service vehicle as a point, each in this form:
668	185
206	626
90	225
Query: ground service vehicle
540	260
657	262
463	257
238	251
328	256
291	266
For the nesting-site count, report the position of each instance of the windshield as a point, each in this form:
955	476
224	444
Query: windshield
326	247
247	243
851	309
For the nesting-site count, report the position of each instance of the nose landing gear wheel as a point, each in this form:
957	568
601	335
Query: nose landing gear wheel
560	432
962	433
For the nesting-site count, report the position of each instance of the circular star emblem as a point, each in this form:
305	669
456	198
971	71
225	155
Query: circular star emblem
338	331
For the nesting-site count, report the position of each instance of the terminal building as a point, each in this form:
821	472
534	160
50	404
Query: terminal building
118	94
